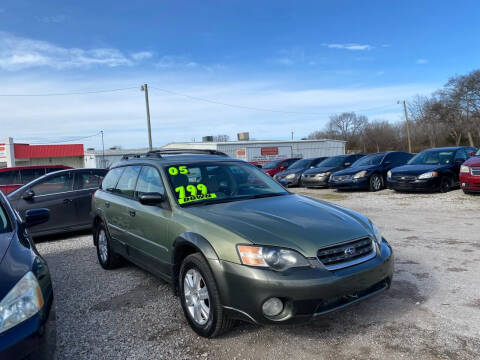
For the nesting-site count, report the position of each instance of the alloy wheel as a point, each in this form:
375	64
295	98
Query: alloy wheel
102	245
197	299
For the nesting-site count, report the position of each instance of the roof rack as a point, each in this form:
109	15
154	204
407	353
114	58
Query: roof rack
159	153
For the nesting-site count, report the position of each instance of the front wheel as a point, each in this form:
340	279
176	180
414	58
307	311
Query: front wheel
445	185
376	182
200	298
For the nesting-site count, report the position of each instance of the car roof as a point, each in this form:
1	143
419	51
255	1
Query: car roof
446	148
13	168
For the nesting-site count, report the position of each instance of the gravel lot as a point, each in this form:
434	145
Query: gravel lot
432	310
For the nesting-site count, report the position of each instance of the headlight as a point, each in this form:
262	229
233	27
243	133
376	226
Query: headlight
272	257
389	174
290	176
428	175
22	302
360	174
376	233
324	174
465	169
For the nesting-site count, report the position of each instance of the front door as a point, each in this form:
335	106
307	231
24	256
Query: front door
150	224
86	182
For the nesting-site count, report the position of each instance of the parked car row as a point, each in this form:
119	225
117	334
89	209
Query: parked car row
438	169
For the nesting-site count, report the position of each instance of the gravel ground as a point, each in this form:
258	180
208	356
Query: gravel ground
432	310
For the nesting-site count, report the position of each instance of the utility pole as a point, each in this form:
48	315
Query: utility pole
292	135
144	88
103	151
406	123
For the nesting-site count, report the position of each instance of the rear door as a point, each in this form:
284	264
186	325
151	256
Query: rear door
150	224
54	193
121	205
85	183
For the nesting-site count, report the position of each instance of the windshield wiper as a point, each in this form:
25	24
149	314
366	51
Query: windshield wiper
259	196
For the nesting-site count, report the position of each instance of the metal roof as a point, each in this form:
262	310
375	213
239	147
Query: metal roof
27	151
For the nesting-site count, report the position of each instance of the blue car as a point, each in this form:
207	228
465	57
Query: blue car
26	295
369	172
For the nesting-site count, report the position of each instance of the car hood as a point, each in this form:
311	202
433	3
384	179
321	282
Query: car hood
418	169
292	171
473	161
322	169
291	221
356	169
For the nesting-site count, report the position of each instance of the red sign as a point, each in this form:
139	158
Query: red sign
266	151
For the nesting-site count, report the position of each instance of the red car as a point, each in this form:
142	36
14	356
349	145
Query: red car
275	166
470	174
13	177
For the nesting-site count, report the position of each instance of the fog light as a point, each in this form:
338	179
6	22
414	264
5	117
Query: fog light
272	307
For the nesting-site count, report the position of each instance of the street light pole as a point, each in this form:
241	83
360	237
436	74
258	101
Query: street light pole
144	88
406	123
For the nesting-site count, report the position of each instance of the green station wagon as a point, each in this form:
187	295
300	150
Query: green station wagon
234	244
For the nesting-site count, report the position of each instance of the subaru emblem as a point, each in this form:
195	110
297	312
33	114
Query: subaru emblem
349	251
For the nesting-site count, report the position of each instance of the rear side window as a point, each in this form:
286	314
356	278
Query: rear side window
127	182
4	223
88	180
149	181
111	179
54	185
31	174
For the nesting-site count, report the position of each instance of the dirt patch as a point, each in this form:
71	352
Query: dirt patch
456	269
332	197
405	291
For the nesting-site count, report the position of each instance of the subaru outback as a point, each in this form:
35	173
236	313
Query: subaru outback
235	244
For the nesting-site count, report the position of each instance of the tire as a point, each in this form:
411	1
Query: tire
376	182
202	295
107	258
445	185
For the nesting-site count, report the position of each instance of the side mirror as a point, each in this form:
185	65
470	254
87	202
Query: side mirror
28	195
151	198
472	153
36	216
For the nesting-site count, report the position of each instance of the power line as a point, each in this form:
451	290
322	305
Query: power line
260	109
63	140
70	93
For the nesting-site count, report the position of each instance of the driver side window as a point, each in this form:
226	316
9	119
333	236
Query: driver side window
54	185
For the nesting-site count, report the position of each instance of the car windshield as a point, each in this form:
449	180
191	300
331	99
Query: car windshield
332	162
299	164
208	183
433	157
271	164
374	159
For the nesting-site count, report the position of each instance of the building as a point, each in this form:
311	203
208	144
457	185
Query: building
104	159
262	151
18	154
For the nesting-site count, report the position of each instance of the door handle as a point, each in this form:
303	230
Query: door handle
67	201
132	212
107	204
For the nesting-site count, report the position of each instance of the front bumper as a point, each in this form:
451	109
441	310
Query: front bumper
306	292
35	337
432	184
289	182
361	183
314	181
470	182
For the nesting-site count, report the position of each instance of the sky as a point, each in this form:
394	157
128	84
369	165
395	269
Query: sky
220	67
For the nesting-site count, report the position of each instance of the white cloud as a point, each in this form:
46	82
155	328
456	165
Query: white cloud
350	46
422	61
170	61
55	19
17	53
284	61
142	55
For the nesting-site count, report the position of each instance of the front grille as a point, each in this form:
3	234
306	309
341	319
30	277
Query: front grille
476	171
404	177
341	177
347	254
